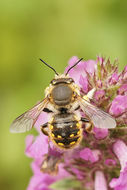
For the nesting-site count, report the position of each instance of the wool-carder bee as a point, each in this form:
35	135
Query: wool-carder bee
63	102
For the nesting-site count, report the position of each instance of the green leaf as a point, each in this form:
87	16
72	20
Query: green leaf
112	91
99	71
66	184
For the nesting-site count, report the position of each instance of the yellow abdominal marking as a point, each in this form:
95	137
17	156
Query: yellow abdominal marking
79	139
51	127
52	135
51	120
72	135
73	142
58	136
61	144
78	125
78	132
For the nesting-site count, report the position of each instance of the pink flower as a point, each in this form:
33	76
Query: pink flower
120	149
100	181
114	79
78	73
121	182
100	133
119	105
84	83
99	95
110	162
89	155
123	90
102	154
35	148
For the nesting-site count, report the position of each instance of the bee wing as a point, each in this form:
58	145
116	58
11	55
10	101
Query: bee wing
99	118
26	121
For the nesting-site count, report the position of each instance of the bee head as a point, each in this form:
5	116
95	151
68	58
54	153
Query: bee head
62	91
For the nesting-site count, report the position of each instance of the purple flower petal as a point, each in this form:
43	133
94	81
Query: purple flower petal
38	148
62	172
120	149
121	182
100	133
122	90
78	173
77	70
119	105
81	69
39	179
100	181
84	83
99	95
40	182
110	162
29	141
99	83
89	155
124	74
114	78
90	66
100	59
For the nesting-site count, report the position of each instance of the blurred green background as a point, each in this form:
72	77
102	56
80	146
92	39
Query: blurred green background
54	31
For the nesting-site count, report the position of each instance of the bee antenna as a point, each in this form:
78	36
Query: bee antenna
74	65
49	66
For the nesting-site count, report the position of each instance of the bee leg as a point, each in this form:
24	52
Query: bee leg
43	129
83	119
51	161
88	125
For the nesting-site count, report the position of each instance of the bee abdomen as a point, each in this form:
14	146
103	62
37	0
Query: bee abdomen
66	134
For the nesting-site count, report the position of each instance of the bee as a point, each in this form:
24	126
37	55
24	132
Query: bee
63	103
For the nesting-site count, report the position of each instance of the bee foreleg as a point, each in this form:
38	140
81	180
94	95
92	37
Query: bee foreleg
44	130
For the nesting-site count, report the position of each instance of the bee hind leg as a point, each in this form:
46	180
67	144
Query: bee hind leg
44	129
88	125
83	119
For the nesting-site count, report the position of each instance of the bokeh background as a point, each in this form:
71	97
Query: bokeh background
54	31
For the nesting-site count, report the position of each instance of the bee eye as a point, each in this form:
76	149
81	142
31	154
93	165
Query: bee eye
71	80
53	81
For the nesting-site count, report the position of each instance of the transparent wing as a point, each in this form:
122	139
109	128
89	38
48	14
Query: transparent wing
26	121
99	118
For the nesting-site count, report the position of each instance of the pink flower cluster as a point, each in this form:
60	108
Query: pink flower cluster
100	162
